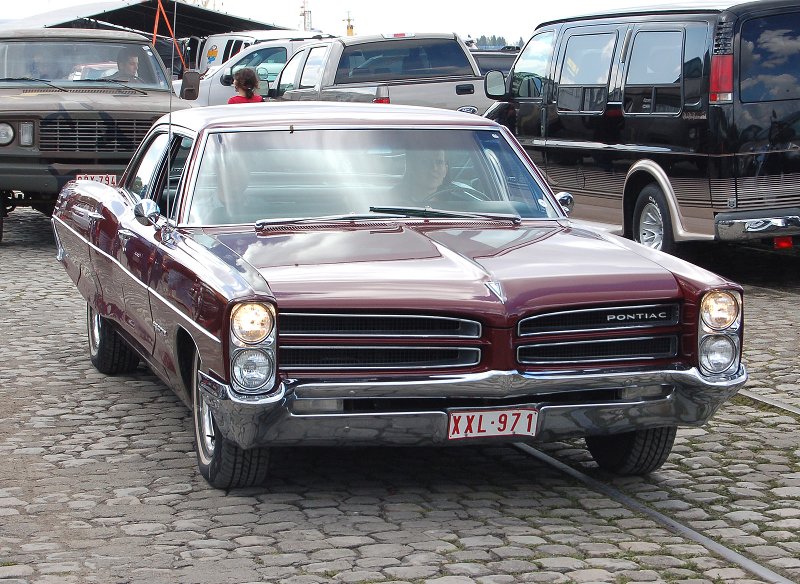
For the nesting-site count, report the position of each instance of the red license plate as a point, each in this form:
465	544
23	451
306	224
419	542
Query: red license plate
106	179
484	423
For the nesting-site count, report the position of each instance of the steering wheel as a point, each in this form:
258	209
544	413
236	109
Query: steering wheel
456	192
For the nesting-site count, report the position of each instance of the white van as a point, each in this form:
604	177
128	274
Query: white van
267	58
217	49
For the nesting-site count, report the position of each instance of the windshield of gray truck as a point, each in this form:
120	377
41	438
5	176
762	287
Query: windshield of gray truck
80	62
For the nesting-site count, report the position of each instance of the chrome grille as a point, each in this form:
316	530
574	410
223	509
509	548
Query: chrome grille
375	325
600	319
599	350
346	358
70	135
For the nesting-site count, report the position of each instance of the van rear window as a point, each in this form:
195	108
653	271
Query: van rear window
769	58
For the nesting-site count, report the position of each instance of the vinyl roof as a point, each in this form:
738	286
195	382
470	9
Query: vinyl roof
140	15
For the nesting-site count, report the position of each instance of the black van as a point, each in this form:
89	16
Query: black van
671	125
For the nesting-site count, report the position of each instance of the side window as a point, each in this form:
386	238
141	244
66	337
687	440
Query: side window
289	73
266	62
653	78
142	178
530	70
166	190
312	72
585	69
770	60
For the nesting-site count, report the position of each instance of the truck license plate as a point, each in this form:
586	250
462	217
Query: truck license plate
106	179
483	423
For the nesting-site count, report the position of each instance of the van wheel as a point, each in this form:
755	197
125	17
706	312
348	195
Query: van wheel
632	453
652	225
107	351
221	462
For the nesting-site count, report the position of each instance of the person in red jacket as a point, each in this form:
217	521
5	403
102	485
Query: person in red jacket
245	83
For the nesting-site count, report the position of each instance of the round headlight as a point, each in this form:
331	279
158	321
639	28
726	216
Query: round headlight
6	134
252	369
717	353
719	309
252	323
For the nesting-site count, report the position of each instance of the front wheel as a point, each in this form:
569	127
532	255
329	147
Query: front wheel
221	462
107	351
652	225
632	453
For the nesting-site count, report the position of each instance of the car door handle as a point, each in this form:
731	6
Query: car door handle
465	89
125	234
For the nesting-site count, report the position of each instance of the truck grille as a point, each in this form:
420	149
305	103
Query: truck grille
70	135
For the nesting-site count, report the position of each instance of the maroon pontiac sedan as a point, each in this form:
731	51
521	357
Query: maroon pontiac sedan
341	274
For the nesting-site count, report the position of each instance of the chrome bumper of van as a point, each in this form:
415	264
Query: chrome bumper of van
744	225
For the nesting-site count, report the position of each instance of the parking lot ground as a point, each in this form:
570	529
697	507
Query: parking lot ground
98	481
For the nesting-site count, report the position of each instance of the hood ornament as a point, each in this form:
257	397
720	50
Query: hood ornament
496	289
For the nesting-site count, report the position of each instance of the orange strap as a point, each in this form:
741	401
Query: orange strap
159	12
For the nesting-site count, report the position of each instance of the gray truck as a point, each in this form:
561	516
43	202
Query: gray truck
74	103
433	69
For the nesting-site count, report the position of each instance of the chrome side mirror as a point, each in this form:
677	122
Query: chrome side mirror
147	212
567	201
494	85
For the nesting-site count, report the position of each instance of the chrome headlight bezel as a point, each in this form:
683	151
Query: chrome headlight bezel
719	331
6	133
253	338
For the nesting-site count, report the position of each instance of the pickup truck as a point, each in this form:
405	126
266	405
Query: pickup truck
434	69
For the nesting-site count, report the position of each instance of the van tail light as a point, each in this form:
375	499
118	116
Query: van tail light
381	94
783	242
721	83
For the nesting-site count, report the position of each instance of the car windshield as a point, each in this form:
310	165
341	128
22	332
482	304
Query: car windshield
76	61
247	176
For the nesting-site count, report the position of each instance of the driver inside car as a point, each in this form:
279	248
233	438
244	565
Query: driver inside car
426	172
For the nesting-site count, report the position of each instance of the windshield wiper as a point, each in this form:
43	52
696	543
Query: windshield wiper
45	81
263	223
118	82
444	213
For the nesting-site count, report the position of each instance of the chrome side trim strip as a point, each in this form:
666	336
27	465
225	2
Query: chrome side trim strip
136	280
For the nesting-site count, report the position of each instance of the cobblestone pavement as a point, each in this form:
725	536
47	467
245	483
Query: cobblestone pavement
98	481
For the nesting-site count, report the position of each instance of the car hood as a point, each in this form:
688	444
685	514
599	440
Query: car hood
500	273
102	97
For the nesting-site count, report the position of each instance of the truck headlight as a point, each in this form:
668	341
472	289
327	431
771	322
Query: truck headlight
718	353
6	134
719	309
252	369
252	322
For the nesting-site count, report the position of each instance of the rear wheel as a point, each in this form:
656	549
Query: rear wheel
108	352
221	462
652	225
632	453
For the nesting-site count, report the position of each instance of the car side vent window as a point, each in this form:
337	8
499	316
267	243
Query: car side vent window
585	69
654	75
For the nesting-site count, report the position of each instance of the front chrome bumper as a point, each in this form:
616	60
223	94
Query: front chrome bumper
688	399
748	225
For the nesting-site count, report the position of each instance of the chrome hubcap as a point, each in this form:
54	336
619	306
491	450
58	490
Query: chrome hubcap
651	226
93	326
203	424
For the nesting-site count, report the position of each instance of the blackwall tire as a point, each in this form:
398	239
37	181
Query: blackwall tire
221	462
108	352
652	224
632	453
